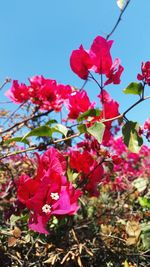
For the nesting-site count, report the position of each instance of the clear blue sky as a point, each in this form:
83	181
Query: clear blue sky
37	37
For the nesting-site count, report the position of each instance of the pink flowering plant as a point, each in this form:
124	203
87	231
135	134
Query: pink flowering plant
93	149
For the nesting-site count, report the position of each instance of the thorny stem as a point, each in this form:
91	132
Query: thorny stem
118	20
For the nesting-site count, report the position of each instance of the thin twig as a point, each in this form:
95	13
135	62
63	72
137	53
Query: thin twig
7	80
37	147
118	20
26	120
114	237
66	138
125	112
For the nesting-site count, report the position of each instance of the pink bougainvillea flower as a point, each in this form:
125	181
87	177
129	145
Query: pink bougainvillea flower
48	193
91	172
115	72
110	106
64	91
26	188
94	179
110	110
100	54
51	159
18	93
145	75
52	198
43	92
147	129
64	203
82	162
78	103
81	62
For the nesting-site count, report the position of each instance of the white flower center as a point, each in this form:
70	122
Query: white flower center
55	196
46	208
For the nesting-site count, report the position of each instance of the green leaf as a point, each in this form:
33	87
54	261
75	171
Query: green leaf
40	131
89	113
134	88
45	130
97	130
144	202
146	239
145	227
82	128
50	122
17	139
59	128
131	137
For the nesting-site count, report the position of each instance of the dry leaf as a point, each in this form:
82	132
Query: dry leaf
133	230
107	229
131	241
12	241
16	232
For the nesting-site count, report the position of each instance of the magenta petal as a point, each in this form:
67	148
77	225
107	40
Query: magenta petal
38	223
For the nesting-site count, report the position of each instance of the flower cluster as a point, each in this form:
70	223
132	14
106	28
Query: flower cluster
45	93
97	59
48	193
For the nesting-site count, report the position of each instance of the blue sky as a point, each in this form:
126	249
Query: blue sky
37	37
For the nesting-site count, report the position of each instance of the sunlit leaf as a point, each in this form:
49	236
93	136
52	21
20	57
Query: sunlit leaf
97	130
134	88
131	137
121	3
40	131
144	202
45	130
60	129
89	113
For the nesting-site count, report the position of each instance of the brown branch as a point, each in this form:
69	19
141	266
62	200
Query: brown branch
125	112
19	152
38	147
26	120
66	138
